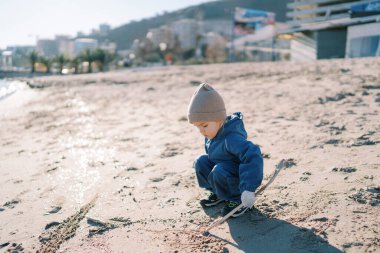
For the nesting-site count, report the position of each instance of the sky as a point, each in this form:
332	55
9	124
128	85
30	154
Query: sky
22	22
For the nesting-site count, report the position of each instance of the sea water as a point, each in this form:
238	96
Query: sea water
7	88
13	94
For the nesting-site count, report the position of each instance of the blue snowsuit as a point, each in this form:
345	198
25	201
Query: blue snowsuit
232	164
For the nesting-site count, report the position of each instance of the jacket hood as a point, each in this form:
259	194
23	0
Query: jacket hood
232	124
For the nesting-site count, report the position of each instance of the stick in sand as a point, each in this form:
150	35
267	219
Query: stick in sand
280	166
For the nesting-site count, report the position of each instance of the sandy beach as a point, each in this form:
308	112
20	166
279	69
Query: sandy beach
103	162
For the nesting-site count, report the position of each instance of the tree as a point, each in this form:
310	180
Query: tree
33	58
215	51
100	57
47	62
75	64
61	60
177	48
88	56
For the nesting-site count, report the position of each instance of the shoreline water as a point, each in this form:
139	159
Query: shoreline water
10	86
7	88
13	94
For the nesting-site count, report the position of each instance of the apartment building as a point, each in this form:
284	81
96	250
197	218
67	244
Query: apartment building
186	31
162	35
324	29
47	47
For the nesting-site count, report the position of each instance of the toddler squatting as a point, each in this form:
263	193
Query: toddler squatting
232	168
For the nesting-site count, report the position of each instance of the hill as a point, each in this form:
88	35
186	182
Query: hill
126	34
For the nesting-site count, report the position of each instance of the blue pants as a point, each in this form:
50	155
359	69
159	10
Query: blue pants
221	178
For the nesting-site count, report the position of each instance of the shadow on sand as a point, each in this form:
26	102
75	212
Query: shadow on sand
255	232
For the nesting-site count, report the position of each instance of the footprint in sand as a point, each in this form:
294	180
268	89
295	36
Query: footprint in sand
52	224
344	169
171	150
322	123
99	226
195	82
125	171
14	247
305	176
365	140
334	142
336	98
377	100
12	203
52	169
7	143
157	179
331	128
335	130
370	196
371	87
290	163
55	209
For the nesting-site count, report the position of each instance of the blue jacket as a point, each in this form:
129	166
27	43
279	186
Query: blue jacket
231	144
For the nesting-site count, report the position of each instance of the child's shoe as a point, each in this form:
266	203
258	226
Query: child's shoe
211	200
230	205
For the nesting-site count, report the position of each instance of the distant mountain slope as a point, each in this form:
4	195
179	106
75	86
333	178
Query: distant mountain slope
126	34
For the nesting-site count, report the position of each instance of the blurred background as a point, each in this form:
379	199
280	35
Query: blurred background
41	37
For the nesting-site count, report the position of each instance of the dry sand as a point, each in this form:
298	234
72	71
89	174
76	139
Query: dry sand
103	162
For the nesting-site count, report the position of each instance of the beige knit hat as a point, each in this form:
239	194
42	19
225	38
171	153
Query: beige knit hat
206	105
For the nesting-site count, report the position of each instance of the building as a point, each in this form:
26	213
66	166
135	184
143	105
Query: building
186	30
24	50
162	35
6	60
65	45
324	29
47	47
16	57
108	46
220	26
104	29
363	40
82	44
61	44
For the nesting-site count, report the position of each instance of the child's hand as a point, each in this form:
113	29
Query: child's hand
248	198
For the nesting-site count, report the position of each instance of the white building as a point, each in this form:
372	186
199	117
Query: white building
65	45
6	60
186	31
15	57
161	35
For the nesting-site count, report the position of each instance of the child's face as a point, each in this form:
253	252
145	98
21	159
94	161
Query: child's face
208	128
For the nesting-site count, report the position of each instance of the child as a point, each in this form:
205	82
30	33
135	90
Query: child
232	167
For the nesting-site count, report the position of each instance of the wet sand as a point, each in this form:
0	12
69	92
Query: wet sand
103	162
